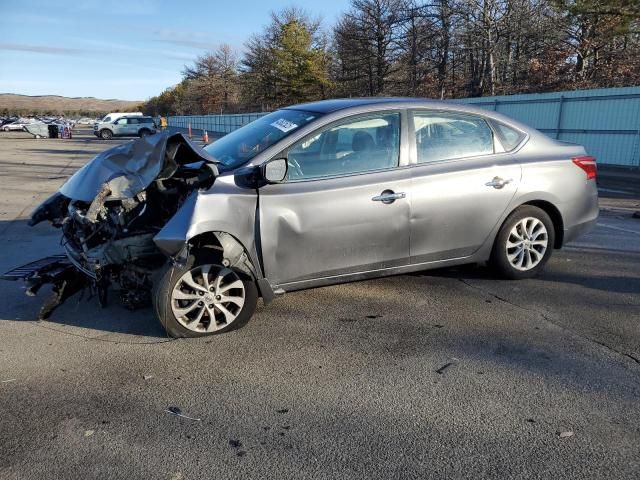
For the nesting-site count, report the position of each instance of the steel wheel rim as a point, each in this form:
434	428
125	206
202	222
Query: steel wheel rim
527	243
207	298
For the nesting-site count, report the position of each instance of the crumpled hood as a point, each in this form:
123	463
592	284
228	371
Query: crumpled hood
131	167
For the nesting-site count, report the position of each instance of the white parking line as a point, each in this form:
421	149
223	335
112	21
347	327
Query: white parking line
626	230
613	190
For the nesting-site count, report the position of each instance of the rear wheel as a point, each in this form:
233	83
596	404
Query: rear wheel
524	244
144	133
106	134
203	298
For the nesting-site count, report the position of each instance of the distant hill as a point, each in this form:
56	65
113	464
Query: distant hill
25	104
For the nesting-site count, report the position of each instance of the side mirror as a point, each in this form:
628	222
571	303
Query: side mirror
275	171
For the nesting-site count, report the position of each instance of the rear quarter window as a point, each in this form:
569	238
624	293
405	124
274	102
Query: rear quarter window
509	136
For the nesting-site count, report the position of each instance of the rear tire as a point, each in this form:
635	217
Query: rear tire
185	306
523	244
144	133
106	134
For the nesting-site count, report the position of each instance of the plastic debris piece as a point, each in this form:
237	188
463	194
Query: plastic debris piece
566	434
178	413
88	433
441	370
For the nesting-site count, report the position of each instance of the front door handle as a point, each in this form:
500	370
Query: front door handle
389	196
498	182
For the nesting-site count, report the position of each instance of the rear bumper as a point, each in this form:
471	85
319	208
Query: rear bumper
572	233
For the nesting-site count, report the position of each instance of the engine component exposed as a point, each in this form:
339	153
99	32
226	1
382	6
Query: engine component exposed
109	212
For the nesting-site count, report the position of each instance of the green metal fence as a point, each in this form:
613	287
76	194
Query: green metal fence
214	124
606	121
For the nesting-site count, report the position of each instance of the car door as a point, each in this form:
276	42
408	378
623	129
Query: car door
462	182
133	125
120	127
344	207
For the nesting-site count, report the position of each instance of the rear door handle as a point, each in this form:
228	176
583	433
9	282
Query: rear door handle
498	182
389	196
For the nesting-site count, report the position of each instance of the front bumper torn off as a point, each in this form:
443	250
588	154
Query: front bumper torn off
56	270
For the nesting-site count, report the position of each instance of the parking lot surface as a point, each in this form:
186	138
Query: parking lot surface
441	374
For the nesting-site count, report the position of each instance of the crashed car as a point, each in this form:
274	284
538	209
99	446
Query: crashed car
310	195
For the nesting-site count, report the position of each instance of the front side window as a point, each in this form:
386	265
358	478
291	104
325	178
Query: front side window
444	136
121	121
360	144
241	145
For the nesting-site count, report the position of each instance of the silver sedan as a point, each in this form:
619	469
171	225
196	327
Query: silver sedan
318	194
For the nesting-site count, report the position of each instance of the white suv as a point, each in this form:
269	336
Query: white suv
132	126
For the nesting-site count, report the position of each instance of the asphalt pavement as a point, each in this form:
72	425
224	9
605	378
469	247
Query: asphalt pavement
441	374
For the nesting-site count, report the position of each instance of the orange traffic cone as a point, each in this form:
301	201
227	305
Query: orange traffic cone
205	137
189	130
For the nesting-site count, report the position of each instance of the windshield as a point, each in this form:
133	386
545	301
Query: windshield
242	145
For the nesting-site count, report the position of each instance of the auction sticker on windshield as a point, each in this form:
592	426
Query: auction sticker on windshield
284	125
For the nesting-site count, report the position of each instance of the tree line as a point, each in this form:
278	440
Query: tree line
436	49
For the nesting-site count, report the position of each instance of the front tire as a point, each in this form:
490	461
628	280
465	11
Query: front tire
203	298
106	134
524	244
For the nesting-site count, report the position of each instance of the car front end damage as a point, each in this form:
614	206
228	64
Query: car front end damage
109	213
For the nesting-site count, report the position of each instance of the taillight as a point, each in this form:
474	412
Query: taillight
588	164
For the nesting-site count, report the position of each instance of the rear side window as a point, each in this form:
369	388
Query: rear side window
132	121
145	120
444	136
510	137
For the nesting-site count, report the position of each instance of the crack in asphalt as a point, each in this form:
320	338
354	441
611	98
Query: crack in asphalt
549	320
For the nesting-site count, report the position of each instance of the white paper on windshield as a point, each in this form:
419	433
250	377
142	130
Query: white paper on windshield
284	125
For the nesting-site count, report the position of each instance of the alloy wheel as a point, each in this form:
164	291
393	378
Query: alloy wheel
527	243
207	298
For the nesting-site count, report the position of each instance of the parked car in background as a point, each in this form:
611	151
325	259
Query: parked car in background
311	195
110	117
129	126
5	120
87	121
17	125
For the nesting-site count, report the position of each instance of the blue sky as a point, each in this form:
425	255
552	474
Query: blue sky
129	50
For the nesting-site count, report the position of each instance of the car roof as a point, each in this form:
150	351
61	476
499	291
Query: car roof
358	104
328	106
